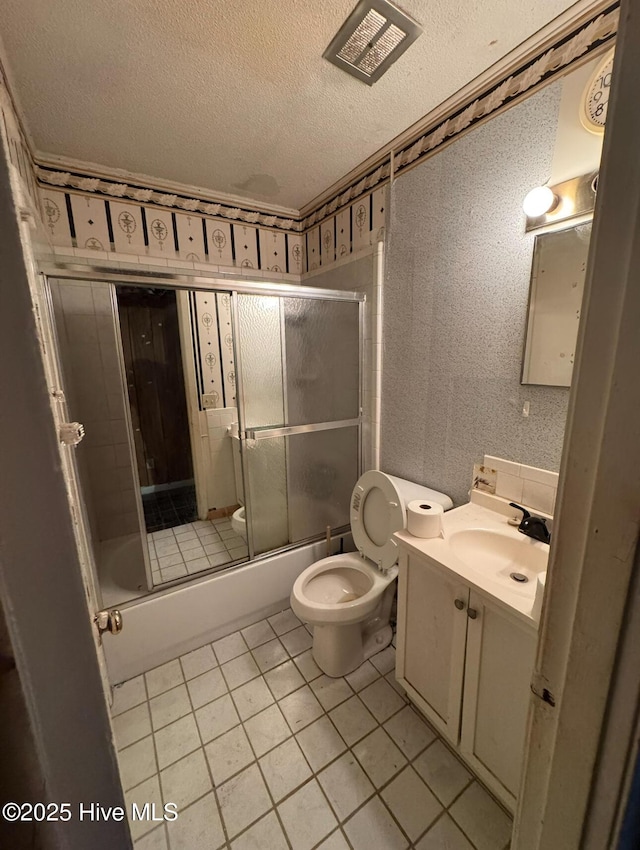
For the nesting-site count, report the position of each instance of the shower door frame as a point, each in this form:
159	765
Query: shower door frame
286	430
235	285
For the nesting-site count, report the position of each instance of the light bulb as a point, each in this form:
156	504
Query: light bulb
539	201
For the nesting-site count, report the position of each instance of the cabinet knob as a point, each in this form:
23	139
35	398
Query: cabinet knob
472	613
459	604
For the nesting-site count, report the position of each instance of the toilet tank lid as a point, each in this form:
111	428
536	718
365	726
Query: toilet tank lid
410	491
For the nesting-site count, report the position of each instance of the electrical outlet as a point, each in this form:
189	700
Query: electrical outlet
209	400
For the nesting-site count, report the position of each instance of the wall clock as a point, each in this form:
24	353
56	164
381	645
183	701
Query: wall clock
595	100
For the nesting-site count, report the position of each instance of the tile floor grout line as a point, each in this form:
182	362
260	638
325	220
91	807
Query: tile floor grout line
377	791
470	782
206	760
256	761
325	711
155	754
472	779
314	774
173	537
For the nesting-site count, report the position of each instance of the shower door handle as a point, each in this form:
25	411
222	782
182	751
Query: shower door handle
268	432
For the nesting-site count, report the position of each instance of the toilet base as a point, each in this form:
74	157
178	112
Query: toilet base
239	522
339	650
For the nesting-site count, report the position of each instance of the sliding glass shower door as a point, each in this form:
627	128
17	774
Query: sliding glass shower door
299	381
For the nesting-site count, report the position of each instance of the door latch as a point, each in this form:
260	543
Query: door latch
109	621
71	433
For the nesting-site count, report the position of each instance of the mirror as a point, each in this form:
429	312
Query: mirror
555	301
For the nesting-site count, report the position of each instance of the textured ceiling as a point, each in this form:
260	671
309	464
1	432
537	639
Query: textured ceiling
233	95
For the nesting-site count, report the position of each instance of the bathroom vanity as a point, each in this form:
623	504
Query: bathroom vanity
467	640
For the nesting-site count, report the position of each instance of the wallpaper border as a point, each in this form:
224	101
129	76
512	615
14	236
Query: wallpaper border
570	46
542	69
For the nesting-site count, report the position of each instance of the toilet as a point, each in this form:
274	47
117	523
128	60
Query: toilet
347	598
239	522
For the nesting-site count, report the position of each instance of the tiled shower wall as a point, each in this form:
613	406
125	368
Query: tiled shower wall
84	324
222	479
456	292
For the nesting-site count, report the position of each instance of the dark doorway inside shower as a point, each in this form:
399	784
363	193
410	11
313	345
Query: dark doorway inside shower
155	384
169	508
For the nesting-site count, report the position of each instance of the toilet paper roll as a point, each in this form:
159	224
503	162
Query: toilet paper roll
541	578
424	519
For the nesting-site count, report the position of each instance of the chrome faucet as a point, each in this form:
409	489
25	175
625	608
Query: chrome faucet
533	526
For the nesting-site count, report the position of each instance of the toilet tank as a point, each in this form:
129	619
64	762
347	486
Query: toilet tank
410	491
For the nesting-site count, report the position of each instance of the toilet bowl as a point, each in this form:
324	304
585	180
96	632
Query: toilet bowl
239	522
348	598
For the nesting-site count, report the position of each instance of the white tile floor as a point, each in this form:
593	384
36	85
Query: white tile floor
188	549
261	751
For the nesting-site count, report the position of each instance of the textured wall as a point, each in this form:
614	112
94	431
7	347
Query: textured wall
455	301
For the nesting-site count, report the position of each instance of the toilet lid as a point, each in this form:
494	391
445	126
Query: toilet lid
377	512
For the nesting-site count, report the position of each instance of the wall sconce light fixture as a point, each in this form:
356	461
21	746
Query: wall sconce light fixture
561	205
539	201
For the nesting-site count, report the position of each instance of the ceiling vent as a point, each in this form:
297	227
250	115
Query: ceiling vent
374	35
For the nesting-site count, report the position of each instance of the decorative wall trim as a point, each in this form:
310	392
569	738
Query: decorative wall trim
212	336
124	230
113	189
348	215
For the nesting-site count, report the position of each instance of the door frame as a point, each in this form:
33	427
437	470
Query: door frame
588	608
55	377
47	608
198	455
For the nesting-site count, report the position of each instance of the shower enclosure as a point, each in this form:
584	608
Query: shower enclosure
222	421
300	387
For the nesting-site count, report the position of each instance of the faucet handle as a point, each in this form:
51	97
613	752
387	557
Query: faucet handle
525	512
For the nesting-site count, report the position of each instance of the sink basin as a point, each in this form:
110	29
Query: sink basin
513	562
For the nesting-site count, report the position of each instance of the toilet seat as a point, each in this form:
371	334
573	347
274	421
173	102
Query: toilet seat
377	512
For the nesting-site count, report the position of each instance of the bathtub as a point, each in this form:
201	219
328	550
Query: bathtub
160	627
120	567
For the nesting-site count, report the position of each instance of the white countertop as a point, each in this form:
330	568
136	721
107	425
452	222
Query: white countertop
518	600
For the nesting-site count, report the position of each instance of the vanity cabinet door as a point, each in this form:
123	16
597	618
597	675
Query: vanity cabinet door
432	626
499	665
